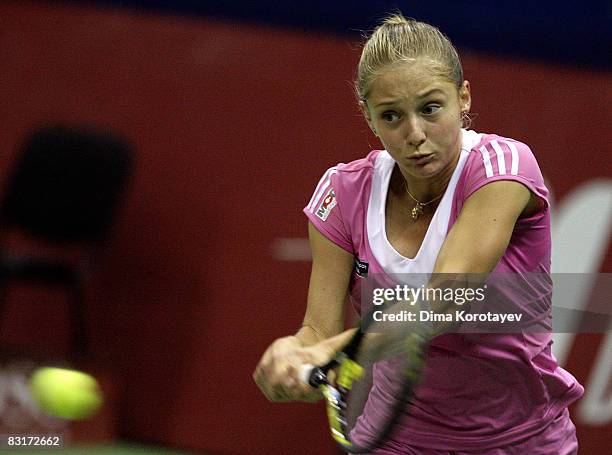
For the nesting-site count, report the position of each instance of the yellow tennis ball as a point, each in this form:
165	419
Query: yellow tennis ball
68	394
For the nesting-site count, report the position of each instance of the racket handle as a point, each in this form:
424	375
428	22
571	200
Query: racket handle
305	372
312	375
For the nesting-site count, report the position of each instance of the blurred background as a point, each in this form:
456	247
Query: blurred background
229	112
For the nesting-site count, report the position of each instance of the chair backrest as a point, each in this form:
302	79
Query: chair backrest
67	183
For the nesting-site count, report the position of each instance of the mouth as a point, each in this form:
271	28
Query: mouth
421	159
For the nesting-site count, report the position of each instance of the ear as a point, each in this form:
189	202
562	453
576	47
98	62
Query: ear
465	98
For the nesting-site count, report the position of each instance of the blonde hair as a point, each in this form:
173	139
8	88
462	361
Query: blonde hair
399	39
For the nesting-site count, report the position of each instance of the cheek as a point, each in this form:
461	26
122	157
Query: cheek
447	131
391	139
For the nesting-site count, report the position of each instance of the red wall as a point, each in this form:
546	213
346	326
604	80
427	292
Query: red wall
234	125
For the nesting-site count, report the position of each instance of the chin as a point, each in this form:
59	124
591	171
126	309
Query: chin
426	173
429	170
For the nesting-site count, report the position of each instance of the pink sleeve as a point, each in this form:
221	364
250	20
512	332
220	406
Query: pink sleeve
324	212
504	159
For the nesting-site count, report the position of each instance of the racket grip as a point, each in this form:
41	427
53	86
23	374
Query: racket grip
312	375
306	372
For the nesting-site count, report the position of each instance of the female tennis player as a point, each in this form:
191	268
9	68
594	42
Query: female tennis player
439	198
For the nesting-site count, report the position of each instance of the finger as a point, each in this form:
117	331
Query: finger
268	387
265	374
259	372
312	397
309	394
272	376
259	377
304	391
277	388
295	374
263	387
282	395
273	394
287	387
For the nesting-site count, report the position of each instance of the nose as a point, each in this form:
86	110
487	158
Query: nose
415	133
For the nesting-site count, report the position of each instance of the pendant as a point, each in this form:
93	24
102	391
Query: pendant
417	211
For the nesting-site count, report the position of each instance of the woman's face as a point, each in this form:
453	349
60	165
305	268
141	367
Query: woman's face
417	116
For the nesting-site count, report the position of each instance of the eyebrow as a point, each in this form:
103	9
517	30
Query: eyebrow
423	95
429	92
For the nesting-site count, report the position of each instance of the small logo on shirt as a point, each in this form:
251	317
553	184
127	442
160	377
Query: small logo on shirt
361	268
329	202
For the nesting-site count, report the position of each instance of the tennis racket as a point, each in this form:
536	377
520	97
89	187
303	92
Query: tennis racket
366	400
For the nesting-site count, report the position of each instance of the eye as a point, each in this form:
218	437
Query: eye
390	116
431	108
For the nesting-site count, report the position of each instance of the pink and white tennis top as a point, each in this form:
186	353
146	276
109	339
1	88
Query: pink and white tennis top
479	391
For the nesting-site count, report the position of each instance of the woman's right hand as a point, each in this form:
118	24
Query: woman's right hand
275	373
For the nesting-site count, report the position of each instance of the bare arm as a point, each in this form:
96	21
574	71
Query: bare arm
324	318
483	229
329	281
475	245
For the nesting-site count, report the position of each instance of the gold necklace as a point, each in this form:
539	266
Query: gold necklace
418	208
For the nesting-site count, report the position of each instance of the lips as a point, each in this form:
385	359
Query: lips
421	159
